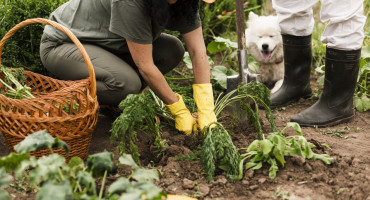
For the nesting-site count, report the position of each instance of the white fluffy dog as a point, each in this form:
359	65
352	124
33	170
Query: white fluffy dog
265	44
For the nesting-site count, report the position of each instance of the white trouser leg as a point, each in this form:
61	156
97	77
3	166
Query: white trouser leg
345	30
295	16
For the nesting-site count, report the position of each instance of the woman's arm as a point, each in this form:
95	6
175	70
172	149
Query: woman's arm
142	56
198	53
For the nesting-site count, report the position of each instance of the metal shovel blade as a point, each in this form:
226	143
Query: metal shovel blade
244	75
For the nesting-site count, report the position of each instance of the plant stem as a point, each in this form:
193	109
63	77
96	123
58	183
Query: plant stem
102	184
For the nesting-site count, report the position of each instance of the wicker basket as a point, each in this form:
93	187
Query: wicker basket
65	109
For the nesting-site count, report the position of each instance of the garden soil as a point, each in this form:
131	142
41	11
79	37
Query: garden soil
348	177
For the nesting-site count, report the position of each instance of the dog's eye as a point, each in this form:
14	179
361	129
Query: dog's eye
271	36
259	36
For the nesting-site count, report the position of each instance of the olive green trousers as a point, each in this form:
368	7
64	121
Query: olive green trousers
116	74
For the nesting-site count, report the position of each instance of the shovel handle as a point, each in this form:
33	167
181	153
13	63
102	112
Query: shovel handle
240	24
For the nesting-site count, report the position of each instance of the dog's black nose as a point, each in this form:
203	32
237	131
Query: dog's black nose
265	46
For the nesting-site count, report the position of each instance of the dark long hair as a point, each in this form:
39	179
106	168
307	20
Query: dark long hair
161	11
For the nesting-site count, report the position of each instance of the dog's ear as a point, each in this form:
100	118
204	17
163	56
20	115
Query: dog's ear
252	16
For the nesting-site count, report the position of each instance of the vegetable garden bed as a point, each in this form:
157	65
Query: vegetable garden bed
346	178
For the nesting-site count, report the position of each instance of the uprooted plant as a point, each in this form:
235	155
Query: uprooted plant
219	151
139	112
249	96
52	178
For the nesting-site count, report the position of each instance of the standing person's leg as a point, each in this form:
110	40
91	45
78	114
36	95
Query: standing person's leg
344	36
115	78
296	23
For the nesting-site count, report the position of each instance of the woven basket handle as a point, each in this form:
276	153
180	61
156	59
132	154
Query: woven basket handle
69	34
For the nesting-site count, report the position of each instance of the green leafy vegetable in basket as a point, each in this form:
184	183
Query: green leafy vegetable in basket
14	83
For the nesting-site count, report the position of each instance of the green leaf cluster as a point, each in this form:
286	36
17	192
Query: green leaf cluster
22	49
276	147
14	83
53	178
219	151
362	94
139	112
250	97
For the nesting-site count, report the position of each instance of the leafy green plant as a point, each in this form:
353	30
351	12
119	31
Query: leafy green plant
250	97
139	112
14	83
53	178
22	50
218	18
219	151
362	94
276	147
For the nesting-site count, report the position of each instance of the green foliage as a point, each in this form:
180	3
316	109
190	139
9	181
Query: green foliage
14	82
139	112
22	49
220	74
219	17
4	181
276	147
362	94
219	151
52	178
40	140
250	97
100	163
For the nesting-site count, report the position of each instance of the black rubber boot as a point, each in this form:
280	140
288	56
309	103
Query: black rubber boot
297	69
335	105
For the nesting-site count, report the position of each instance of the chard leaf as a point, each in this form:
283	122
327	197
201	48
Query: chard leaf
273	168
253	146
325	158
296	127
279	155
362	103
250	164
258	166
297	151
38	141
266	146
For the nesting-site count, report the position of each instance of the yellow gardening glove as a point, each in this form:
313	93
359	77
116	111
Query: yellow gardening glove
203	96
184	122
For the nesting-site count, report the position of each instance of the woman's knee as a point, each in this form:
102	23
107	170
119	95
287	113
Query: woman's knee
168	51
113	91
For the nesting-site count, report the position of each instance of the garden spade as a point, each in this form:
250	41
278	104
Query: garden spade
244	75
